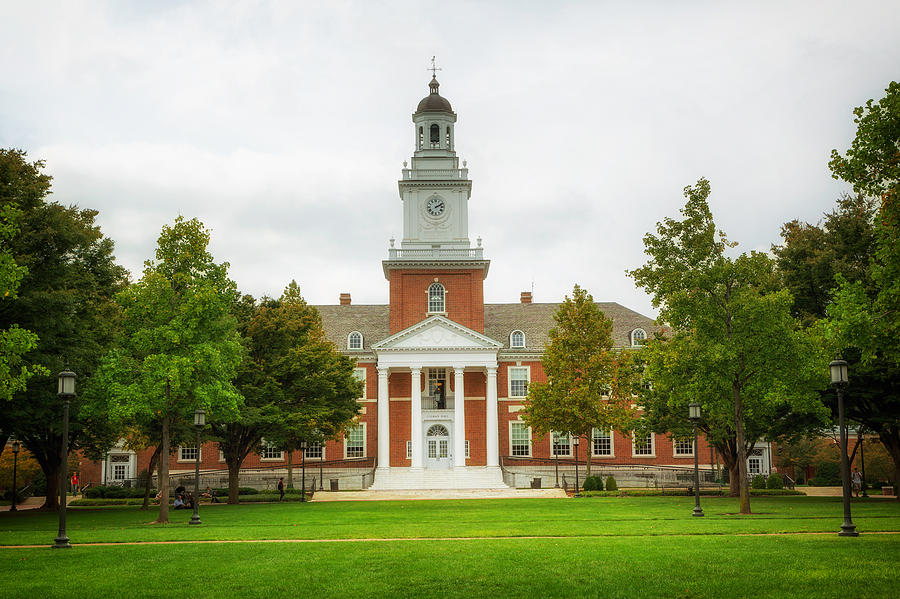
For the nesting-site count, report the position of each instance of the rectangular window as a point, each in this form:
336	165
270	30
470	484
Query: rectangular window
355	443
644	446
360	375
683	447
270	452
519	439
560	444
518	381
188	454
467	449
120	471
314	451
601	442
221	456
409	450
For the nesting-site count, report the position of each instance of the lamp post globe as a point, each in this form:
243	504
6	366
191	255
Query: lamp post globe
839	378
65	391
199	423
694	417
15	450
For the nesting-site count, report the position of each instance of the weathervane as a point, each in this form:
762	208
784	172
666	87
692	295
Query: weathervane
433	69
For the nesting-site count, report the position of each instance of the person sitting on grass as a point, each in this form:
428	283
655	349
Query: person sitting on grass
179	503
211	495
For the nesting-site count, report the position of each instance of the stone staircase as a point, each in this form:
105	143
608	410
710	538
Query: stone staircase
470	477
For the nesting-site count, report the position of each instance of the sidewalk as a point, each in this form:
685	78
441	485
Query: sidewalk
29	504
405	495
835	492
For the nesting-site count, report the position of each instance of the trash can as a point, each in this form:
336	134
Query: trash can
334	484
535	483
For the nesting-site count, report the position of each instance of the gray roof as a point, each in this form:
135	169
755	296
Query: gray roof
535	320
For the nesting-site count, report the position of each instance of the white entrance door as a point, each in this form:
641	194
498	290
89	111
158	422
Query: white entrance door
437	447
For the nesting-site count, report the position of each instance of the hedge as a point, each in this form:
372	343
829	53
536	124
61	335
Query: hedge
683	492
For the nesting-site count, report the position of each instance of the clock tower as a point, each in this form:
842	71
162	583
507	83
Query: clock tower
435	251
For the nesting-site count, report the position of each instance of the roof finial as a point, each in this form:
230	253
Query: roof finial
433	69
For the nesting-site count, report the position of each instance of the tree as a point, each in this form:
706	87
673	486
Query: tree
66	298
293	380
863	319
735	348
181	349
589	385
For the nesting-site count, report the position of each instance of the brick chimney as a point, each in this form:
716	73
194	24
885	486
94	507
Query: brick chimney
526	297
345	299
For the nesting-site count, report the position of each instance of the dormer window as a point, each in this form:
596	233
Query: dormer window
355	340
517	339
436	294
638	336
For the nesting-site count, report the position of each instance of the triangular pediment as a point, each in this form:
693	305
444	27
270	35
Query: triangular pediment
437	332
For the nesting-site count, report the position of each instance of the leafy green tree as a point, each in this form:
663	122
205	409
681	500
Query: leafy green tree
294	381
589	385
66	298
735	349
181	348
863	319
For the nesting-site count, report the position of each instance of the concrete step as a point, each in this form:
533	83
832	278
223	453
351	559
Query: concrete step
457	478
424	494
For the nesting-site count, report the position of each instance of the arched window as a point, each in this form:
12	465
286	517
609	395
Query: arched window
421	137
517	339
436	297
355	340
438	430
449	145
638	336
435	135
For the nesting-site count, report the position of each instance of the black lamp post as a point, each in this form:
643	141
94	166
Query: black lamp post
15	450
556	453
303	470
65	391
199	423
575	440
694	415
839	380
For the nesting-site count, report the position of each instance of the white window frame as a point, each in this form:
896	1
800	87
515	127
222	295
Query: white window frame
265	447
516	423
634	447
512	336
361	371
181	457
595	437
221	456
443	306
409	450
509	379
362	426
350	341
467	449
634	333
681	454
562	435
314	445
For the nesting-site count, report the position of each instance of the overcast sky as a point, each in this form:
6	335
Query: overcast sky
283	126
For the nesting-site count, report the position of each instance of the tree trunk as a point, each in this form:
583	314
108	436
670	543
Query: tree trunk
290	469
163	517
891	443
234	471
150	468
744	487
52	472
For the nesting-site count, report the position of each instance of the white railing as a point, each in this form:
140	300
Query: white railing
410	174
431	253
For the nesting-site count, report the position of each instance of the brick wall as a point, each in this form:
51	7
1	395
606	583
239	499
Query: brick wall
464	301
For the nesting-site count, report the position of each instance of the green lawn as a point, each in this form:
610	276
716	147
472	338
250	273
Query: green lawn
628	547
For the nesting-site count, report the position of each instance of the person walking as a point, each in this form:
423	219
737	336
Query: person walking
856	480
74	484
281	489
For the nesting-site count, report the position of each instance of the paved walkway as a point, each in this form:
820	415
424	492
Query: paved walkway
29	504
835	492
398	495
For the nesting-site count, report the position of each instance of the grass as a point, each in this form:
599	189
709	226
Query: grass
616	547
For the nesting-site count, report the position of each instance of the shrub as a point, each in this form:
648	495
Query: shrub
775	481
593	483
725	476
611	483
828	474
759	482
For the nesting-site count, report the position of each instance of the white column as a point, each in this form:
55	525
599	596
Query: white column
490	421
459	419
415	435
384	421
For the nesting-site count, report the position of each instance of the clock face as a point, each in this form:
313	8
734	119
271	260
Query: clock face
435	206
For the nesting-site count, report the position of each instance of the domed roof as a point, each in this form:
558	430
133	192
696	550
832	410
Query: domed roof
434	102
